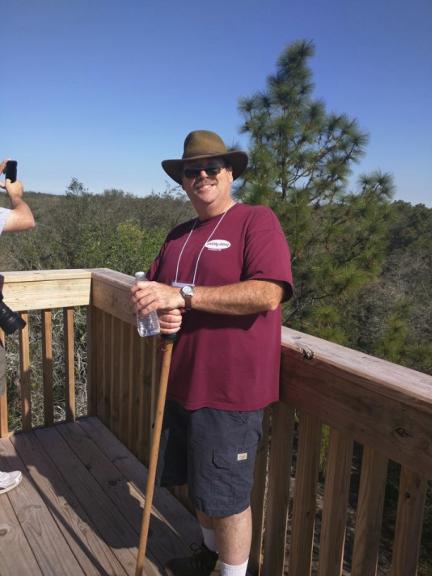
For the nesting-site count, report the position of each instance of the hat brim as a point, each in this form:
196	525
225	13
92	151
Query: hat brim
237	160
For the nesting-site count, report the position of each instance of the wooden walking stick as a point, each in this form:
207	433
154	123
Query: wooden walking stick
168	341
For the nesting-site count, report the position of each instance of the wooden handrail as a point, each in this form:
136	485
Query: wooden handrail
46	289
380	404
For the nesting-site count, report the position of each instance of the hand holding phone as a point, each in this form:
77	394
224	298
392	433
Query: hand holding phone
11	170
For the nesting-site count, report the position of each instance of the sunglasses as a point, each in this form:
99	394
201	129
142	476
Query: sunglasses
210	170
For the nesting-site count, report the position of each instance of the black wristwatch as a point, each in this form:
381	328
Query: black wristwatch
187	292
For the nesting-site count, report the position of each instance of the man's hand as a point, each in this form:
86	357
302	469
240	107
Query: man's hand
21	217
149	296
170	322
15	190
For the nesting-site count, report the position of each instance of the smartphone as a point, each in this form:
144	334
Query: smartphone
11	170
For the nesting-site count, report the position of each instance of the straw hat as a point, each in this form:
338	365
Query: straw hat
205	144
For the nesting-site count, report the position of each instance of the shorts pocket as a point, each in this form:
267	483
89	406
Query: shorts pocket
228	459
223	460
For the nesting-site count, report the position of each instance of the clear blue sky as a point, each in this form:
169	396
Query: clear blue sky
103	90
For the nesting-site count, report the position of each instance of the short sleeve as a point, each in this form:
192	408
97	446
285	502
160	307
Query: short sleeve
267	255
153	272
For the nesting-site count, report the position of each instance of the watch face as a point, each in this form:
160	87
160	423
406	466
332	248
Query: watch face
187	290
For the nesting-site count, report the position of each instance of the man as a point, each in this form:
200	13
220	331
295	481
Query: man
222	277
19	217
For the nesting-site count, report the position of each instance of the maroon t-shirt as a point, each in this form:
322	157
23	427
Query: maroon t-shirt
219	360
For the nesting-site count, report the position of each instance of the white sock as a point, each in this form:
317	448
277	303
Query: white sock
230	570
209	538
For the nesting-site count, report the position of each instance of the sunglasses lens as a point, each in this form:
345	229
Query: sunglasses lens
190	172
195	172
213	170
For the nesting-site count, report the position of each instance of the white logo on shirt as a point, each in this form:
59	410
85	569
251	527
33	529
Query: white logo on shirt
217	245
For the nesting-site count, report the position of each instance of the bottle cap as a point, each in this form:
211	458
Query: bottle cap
140	276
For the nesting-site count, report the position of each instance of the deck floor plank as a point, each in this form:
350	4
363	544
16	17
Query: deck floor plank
46	541
168	509
91	552
120	492
78	509
13	543
107	519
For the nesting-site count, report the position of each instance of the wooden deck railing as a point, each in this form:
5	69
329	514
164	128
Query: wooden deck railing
382	406
353	397
44	291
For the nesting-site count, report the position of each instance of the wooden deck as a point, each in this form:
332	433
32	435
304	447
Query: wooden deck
78	509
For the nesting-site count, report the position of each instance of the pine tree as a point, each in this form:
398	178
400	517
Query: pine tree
301	157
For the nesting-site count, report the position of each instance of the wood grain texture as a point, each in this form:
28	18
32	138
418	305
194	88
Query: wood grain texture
13	542
90	550
336	493
379	404
412	495
258	496
46	289
304	508
48	545
111	292
369	513
279	478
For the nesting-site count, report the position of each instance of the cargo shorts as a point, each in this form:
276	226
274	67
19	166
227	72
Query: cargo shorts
213	451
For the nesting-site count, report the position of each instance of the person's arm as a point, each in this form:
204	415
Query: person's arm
20	217
248	297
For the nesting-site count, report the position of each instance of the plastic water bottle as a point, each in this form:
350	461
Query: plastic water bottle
147	324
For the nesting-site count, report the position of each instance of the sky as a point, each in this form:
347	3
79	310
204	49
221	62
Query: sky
103	90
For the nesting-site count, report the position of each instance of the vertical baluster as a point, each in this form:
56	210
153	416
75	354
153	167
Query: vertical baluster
304	509
144	403
124	344
369	513
47	367
258	503
68	322
114	379
278	489
24	345
335	504
412	495
4	428
132	361
106	372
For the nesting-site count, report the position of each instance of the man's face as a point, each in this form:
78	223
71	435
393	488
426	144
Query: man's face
210	191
